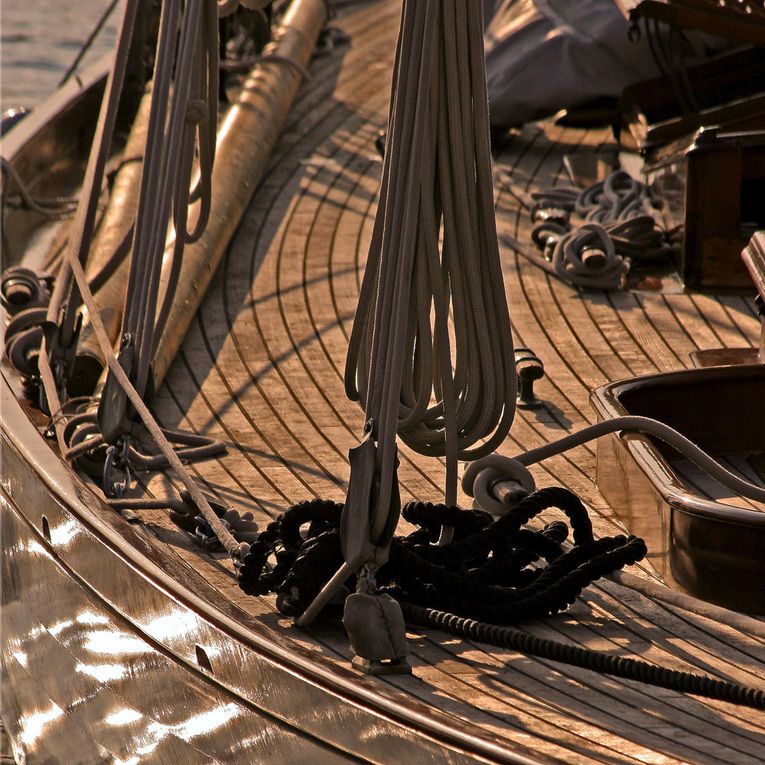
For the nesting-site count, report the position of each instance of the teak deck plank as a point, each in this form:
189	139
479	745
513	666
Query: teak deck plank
261	368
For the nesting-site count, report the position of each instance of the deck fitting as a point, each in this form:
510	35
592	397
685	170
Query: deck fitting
529	369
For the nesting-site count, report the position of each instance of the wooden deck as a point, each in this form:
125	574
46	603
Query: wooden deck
261	369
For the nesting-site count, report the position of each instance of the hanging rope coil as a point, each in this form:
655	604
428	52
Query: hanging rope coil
436	178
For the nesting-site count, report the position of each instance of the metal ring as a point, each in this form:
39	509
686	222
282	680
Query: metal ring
509	468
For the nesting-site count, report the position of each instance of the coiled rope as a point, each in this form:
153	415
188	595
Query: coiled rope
617	198
436	177
490	571
485	572
618	227
638	238
570	258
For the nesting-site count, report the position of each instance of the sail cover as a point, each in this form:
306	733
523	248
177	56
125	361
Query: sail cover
547	55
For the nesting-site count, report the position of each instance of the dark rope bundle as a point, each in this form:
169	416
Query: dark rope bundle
294	566
486	572
597	661
489	571
619	226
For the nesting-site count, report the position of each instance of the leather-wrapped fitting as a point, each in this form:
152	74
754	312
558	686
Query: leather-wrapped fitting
377	631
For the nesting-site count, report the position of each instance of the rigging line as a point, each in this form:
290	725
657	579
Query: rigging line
452	189
224	535
64	301
204	89
164	141
88	42
65	296
192	114
50	207
152	169
634	424
72	266
677	44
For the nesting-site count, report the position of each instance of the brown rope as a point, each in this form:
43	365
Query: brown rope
442	391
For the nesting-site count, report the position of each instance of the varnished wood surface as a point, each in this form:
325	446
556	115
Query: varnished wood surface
261	369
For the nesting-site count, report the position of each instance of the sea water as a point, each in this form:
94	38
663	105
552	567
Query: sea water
41	38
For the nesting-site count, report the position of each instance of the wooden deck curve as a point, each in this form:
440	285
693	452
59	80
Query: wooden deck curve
261	369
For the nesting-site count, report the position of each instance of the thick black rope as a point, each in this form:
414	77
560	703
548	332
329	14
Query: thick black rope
496	537
490	572
597	661
547	593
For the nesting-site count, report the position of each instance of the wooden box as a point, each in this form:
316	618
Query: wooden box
714	191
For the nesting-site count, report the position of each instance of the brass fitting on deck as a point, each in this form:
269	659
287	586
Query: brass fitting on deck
529	369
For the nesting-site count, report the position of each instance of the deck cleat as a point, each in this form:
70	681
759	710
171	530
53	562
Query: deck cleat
529	369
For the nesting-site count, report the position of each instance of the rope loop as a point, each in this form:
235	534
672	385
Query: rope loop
587	257
480	474
434	252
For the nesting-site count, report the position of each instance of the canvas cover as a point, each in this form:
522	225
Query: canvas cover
547	55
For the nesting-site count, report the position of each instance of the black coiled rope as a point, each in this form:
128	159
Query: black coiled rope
492	571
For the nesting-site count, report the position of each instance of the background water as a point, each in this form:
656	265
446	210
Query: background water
41	38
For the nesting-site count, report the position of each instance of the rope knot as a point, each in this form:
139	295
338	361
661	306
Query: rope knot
588	257
196	110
